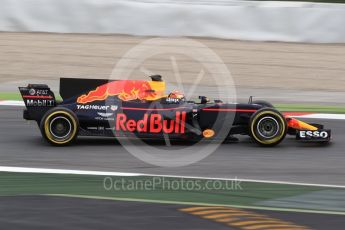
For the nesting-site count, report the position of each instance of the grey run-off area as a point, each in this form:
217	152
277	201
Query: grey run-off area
279	72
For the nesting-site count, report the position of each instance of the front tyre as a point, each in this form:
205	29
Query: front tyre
267	127
59	126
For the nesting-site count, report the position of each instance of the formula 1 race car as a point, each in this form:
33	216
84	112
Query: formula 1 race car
141	109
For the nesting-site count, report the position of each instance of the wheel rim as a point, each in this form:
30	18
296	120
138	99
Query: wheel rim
268	127
60	127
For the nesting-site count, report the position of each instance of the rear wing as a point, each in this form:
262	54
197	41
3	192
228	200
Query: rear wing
38	99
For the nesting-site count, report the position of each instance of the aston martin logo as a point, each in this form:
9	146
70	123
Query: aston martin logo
105	114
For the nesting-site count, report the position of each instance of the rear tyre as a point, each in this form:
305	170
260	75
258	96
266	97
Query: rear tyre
267	127
265	104
59	126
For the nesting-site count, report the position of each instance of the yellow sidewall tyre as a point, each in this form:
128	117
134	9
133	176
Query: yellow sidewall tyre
267	127
59	126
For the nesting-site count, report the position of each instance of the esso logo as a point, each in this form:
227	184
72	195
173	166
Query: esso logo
322	134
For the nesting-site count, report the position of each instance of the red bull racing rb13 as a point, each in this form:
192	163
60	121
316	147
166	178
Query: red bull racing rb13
142	109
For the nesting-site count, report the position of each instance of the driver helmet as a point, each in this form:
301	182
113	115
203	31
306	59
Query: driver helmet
176	95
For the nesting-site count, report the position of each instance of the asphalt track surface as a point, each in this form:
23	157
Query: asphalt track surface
22	146
42	212
300	73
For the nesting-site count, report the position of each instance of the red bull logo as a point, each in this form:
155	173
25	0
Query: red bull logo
125	90
152	123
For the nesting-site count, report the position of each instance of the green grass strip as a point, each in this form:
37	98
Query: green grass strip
310	108
10	96
213	192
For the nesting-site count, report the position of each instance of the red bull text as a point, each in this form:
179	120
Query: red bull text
152	123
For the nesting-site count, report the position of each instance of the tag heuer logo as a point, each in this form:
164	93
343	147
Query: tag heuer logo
113	107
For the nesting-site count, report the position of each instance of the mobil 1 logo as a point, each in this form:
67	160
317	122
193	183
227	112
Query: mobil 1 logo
40	103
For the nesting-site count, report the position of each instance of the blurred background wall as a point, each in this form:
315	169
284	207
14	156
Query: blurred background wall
230	19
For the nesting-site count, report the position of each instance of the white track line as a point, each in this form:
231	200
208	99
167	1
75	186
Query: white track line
12	103
323	116
63	171
102	173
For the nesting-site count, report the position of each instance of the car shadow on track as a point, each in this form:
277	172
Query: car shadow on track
244	142
123	141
